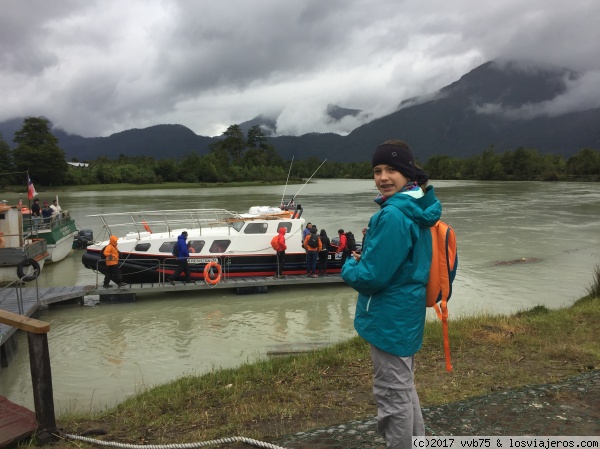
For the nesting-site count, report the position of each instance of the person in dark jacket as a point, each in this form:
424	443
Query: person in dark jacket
324	253
390	276
36	213
182	259
306	232
46	213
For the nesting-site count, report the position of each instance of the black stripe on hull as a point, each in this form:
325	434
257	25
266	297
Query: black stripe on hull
154	269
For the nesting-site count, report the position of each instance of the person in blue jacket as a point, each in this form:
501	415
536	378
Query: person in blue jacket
390	276
182	259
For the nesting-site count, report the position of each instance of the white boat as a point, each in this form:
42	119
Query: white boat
239	243
21	257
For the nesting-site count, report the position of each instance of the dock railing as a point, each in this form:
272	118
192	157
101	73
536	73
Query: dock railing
41	376
164	264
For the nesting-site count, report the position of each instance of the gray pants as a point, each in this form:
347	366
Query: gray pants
398	409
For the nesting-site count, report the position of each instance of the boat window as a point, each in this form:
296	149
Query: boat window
219	246
167	247
195	246
256	228
238	225
142	247
286	225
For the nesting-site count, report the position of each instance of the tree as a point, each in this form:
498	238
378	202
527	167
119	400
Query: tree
486	163
585	163
234	143
38	153
256	137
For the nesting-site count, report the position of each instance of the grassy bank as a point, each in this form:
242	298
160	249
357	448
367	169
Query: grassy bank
333	385
161	186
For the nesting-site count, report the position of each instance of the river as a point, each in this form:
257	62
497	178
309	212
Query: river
104	353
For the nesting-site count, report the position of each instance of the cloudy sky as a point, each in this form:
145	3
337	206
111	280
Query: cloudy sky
95	67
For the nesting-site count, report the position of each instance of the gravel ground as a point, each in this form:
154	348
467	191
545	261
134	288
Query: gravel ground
567	408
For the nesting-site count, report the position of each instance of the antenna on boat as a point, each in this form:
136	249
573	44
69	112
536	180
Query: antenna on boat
286	181
308	180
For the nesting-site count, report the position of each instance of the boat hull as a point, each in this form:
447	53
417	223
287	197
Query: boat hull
151	269
13	261
59	235
239	243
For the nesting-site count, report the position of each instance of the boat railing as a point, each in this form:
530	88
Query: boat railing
164	220
162	265
32	225
18	284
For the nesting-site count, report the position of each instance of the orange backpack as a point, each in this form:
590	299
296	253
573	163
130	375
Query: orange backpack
444	263
275	243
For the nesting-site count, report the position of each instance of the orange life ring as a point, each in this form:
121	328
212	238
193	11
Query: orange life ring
207	277
146	227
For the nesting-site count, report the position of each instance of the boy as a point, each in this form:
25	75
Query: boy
391	275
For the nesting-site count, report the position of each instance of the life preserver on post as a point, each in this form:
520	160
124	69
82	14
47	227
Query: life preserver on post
146	227
23	266
207	273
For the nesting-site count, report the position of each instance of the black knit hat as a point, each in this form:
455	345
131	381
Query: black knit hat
397	155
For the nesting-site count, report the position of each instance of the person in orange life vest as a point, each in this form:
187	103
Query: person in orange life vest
343	246
312	253
281	252
113	272
390	276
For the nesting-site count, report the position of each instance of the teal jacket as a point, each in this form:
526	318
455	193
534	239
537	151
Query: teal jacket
392	274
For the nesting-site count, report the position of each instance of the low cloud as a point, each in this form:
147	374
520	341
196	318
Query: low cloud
582	93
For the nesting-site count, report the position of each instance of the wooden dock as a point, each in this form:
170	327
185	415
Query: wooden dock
28	300
242	285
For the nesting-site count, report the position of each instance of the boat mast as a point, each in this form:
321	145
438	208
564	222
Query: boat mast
308	180
286	181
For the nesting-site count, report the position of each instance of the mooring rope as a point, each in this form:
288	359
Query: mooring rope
250	441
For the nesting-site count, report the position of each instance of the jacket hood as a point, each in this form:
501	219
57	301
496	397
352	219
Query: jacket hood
425	211
113	239
281	231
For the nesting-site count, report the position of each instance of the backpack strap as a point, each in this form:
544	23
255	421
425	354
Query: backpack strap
446	276
442	313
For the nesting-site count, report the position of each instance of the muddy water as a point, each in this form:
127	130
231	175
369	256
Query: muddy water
103	353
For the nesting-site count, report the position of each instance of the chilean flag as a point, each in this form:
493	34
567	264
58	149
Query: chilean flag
30	189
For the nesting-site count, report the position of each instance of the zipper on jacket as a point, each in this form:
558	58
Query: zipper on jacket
369	302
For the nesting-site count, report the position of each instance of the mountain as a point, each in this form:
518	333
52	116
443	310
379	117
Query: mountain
502	103
337	113
268	125
487	106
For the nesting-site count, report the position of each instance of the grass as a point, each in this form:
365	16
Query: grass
281	396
